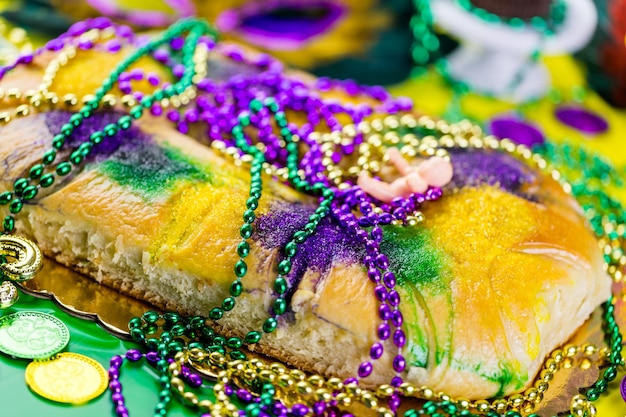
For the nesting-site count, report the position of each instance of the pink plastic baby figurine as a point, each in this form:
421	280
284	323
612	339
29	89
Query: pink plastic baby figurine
435	172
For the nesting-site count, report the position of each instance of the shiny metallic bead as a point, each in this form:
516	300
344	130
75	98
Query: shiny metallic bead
278	368
267	375
387	390
334	384
343	399
316	381
51	98
304	388
285	381
482	406
500	405
8	295
369	400
205	405
322	394
23	110
531	394
463	403
384	412
13	94
70	100
190	398
427	393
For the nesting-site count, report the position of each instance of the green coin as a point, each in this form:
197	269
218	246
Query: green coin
32	335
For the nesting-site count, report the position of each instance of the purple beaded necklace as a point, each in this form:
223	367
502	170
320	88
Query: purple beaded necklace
218	105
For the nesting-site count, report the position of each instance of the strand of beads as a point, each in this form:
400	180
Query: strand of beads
291	248
24	190
220	101
307	394
76	158
425	50
171	354
534	395
90	36
608	221
386	313
539	23
217	363
115	386
465	135
373	215
425	42
257	158
294	174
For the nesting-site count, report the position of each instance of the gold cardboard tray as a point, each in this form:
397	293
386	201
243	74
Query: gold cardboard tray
85	298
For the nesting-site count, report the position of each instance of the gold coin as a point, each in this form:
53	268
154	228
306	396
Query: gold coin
67	378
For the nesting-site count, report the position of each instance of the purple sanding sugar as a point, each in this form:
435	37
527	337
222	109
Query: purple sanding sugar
330	243
125	139
475	168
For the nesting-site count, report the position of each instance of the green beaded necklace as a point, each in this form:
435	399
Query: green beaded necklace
45	172
247	229
545	25
426	43
24	189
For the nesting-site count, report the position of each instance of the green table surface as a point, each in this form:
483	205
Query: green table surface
139	382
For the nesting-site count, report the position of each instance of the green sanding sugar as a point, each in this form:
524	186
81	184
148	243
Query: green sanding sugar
506	376
149	169
414	258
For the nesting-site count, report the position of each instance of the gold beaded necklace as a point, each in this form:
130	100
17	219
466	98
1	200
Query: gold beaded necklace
461	135
465	135
42	99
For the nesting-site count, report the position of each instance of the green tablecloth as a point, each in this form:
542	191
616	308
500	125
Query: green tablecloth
140	386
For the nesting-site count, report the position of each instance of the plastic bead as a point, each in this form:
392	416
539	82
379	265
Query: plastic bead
5	197
280	285
269	325
252	337
228	304
63	168
236	288
216	313
46	180
16	206
241	268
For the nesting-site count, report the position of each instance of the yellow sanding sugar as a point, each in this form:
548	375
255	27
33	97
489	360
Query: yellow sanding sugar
73	78
496	226
205	219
